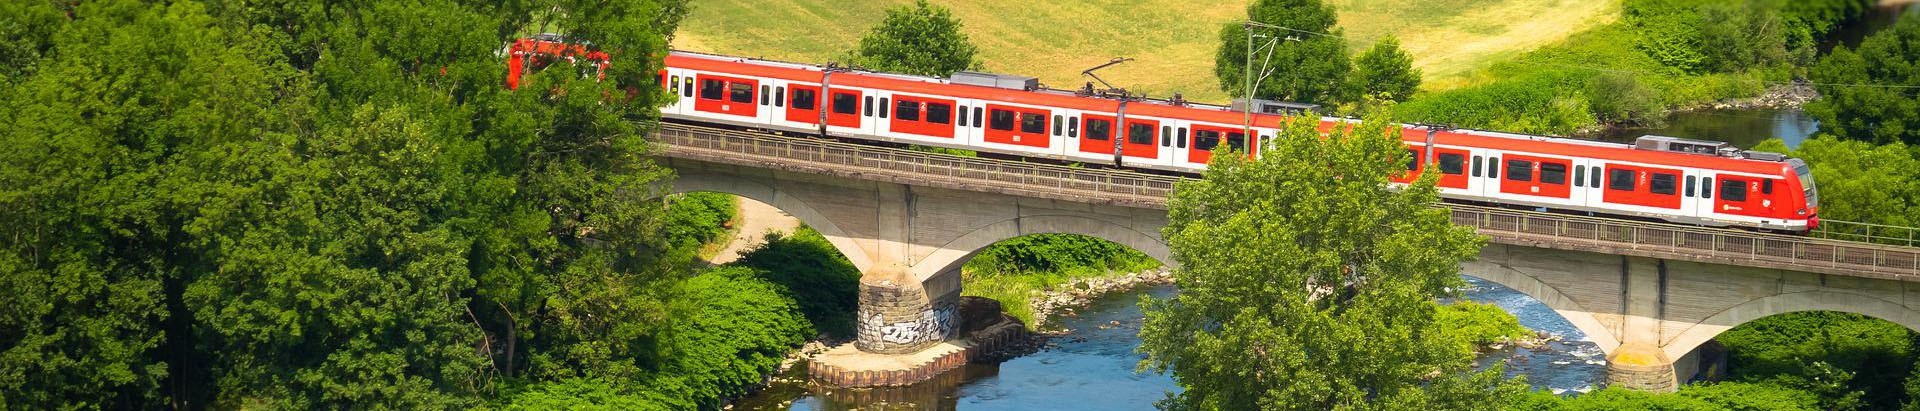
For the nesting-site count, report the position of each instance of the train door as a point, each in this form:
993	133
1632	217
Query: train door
1066	124
729	98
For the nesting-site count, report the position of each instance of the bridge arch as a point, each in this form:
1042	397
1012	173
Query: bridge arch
1581	317
950	256
764	193
1819	300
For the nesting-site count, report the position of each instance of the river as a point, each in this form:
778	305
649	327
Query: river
1093	367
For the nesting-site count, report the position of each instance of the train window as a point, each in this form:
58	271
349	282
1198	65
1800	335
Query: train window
1594	177
674	84
1664	184
883	107
1413	160
1519	170
1622	180
1182	141
740	92
1073	126
1002	120
1733	190
846	103
1139	134
687	91
713	89
1691	183
1493	167
1098	129
1033	123
1553	173
1206	140
866	109
1058	127
764	98
1237	142
1454	164
1766	186
977	118
1579	176
780	97
1476	166
963	116
907	111
1706	187
1166	136
803	99
940	113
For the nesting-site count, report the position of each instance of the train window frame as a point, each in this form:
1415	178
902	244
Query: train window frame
1208	141
1073	126
1476	165
812	100
1766	186
780	96
852	100
1134	131
883	107
1181	143
1617	183
735	90
1580	176
866	109
1692	183
1670	187
1059	125
711	89
1553	173
1733	190
906	110
1033	123
1105	128
1706	186
1451	163
1593	178
942	116
1519	170
764	98
1001	120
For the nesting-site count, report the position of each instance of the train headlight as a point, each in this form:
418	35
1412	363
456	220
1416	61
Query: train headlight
1801	211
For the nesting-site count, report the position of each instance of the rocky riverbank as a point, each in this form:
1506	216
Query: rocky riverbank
1778	96
1064	300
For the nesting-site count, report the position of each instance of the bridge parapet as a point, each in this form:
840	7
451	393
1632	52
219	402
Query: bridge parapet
1133	189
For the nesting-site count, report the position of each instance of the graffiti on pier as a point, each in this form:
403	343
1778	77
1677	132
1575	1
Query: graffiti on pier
933	325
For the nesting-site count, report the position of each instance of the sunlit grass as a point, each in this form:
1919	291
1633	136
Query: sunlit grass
1172	42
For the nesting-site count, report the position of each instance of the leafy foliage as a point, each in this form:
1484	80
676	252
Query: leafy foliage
921	39
1385	72
579	394
694	219
1847	359
1621	99
1301	66
1862	182
1054	253
813	273
1307	283
1887	107
1471	324
733	328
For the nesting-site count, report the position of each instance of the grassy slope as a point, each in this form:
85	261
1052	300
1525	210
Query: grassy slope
1172	41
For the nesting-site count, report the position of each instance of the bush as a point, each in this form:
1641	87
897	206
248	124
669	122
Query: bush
1621	99
1835	355
1475	324
589	395
1056	253
698	218
1874	114
813	273
731	329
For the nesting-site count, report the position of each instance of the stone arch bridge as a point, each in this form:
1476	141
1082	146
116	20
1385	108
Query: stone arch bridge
1648	294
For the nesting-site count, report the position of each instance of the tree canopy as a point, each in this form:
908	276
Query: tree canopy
921	39
1872	93
1385	72
1307	282
1304	64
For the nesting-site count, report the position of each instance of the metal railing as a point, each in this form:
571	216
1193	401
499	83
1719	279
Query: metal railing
1868	233
1832	255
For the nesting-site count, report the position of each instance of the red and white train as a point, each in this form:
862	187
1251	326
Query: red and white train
1682	181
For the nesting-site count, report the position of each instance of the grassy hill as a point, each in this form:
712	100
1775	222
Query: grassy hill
1172	41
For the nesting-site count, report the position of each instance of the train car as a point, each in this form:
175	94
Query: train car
1677	180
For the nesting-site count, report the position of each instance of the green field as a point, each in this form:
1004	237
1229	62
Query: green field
1172	41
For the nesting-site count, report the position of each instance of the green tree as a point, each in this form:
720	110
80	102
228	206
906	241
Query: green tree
813	273
1385	72
1872	93
1847	359
1307	282
921	39
1859	181
731	329
1303	65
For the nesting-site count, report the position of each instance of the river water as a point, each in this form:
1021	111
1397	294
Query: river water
1093	368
